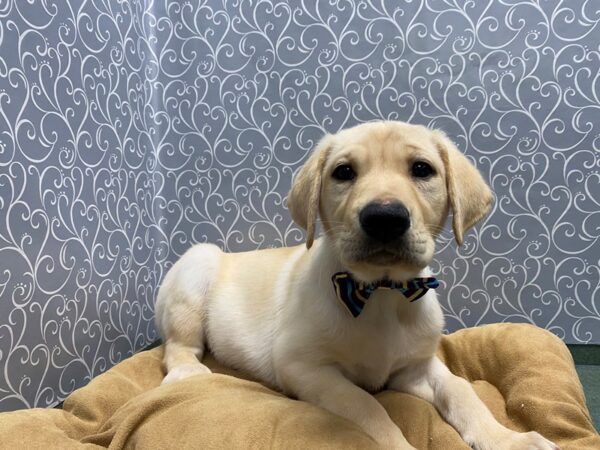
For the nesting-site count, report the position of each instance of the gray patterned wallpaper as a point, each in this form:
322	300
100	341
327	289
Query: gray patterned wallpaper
130	130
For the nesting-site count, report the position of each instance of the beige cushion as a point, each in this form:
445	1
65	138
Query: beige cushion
524	374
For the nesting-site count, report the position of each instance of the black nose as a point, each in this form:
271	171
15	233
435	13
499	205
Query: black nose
384	221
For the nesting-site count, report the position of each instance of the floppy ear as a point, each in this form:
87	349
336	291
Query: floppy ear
469	196
304	197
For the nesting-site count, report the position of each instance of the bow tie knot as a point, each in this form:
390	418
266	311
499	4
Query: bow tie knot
354	294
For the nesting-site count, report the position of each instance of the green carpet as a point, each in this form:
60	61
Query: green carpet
590	378
587	363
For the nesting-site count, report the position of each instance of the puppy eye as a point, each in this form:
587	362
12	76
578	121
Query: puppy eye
421	169
344	172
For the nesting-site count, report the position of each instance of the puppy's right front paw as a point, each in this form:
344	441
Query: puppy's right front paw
524	441
185	371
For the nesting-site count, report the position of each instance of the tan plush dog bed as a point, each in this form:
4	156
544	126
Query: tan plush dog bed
524	374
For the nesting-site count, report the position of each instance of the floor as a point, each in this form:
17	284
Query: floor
590	378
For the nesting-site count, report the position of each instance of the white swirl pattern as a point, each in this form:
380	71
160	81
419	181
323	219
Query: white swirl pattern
130	130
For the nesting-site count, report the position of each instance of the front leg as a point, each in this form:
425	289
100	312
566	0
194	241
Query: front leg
458	403
327	387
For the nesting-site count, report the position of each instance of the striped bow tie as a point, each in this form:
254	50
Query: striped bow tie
354	294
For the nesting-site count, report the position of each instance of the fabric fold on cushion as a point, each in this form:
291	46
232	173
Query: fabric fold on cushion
535	373
524	374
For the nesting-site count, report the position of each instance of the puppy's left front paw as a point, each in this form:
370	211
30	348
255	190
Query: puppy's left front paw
185	371
525	441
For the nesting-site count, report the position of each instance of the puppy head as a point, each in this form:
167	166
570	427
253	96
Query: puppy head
383	191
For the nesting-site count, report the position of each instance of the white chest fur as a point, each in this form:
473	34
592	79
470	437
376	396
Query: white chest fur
389	334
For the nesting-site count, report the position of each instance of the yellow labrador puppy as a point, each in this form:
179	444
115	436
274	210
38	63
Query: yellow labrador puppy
355	310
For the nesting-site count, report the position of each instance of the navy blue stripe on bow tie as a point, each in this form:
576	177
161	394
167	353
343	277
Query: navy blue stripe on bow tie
354	294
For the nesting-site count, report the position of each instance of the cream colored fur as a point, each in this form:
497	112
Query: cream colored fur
274	314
